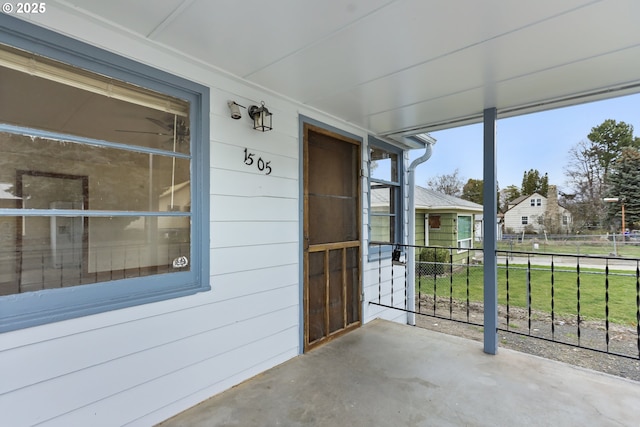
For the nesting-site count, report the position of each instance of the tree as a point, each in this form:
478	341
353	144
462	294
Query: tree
588	170
508	194
584	175
450	184
473	191
532	182
608	140
624	183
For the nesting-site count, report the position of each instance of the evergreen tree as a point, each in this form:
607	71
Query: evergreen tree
624	183
532	182
589	168
607	142
543	187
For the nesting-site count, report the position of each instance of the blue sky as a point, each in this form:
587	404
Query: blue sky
533	141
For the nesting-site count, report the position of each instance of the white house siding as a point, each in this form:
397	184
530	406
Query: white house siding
143	364
513	217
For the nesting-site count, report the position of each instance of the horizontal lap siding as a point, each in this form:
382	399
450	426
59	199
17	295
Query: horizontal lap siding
377	289
104	379
143	364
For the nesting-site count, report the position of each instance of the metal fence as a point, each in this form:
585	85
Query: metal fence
587	301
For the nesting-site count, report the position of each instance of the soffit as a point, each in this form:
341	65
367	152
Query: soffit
402	66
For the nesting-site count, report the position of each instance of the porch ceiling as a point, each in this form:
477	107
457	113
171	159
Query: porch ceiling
402	66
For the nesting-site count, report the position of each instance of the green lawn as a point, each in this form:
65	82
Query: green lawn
622	290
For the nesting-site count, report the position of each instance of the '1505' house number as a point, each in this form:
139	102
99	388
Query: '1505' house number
250	160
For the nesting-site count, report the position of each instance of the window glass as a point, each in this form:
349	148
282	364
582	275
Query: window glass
88	105
384	195
40	170
105	154
383	199
64	251
383	206
525	220
464	227
465	231
384	165
382	228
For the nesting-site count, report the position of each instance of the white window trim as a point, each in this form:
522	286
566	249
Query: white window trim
426	229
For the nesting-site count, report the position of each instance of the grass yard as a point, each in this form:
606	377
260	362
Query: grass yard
622	290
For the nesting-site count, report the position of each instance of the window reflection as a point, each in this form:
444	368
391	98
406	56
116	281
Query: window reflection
384	165
63	251
75	111
84	185
98	178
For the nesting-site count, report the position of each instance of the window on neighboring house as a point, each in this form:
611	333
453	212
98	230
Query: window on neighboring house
538	202
98	185
533	202
385	177
565	220
434	221
525	220
465	231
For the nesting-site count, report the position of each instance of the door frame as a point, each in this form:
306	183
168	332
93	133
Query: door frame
306	123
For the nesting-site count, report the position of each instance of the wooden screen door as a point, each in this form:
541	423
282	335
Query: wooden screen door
331	235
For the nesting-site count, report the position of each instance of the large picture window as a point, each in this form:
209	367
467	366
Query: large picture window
97	178
385	177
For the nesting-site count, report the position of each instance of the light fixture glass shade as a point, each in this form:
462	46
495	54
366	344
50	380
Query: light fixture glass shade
261	117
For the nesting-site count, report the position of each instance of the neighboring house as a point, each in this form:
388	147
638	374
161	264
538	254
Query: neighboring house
443	220
479	227
536	214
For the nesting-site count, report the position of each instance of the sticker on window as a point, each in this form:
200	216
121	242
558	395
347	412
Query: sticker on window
180	262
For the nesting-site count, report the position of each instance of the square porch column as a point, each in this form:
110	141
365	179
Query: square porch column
490	210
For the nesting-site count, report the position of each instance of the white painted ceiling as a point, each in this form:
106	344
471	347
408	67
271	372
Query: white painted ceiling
403	66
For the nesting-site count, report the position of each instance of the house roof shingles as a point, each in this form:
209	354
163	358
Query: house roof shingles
429	199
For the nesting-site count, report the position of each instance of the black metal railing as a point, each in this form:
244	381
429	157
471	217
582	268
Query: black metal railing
591	302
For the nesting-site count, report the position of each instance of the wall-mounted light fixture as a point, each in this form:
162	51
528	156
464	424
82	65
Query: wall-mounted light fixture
235	109
261	117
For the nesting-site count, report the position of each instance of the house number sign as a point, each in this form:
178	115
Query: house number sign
250	160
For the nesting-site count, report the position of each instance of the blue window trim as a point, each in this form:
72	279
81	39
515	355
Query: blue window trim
383	252
42	307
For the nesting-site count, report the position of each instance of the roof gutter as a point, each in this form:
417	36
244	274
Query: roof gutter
428	142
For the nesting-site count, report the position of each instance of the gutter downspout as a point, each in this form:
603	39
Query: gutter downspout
411	250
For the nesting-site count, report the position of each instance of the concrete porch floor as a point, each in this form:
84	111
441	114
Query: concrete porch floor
387	374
